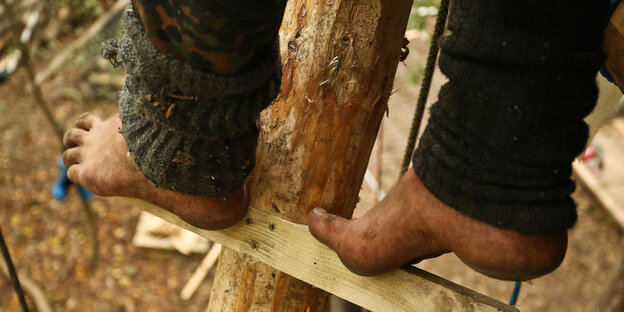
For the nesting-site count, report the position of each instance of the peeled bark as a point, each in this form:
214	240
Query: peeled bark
340	58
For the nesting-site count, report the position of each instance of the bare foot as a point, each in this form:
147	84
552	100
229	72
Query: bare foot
411	224
97	158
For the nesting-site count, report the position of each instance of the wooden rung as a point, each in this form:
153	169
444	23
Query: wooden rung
290	248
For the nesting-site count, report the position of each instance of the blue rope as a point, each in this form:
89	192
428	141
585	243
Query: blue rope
515	293
62	184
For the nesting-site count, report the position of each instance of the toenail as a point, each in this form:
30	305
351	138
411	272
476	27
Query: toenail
318	211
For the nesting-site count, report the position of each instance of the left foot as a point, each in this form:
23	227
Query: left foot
411	225
97	158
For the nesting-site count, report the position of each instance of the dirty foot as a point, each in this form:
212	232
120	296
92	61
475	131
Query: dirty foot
97	158
411	224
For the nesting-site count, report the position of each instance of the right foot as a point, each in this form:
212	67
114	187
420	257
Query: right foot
411	224
97	158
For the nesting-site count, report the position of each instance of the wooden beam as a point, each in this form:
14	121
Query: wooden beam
614	46
290	248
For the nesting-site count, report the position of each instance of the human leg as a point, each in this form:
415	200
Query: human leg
187	135
491	177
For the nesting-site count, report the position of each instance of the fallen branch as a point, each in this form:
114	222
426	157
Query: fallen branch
93	233
31	289
23	283
93	30
201	272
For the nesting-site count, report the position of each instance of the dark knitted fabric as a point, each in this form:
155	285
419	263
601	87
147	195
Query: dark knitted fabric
500	141
205	144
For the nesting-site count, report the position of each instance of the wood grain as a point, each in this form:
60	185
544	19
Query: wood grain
339	60
290	248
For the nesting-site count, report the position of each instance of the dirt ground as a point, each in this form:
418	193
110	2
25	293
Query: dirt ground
50	244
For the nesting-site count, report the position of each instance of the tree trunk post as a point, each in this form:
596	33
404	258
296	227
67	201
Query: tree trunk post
339	59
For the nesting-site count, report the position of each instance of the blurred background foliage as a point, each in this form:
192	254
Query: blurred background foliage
419	27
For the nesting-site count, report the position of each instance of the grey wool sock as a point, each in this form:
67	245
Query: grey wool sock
188	130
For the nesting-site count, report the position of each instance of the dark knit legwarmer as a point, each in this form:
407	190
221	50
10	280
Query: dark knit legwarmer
500	141
205	144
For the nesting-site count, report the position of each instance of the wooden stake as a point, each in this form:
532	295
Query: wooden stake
339	60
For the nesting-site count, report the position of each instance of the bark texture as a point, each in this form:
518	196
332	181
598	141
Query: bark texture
340	58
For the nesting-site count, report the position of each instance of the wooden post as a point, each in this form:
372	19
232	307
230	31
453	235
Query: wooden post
340	59
614	46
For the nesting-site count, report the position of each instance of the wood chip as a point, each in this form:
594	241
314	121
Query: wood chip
169	111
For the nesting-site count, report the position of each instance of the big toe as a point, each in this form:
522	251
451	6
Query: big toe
340	235
327	228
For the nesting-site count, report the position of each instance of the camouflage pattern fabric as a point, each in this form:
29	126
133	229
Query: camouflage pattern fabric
221	36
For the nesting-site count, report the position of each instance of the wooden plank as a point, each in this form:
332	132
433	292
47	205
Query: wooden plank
290	248
597	189
176	238
618	125
607	188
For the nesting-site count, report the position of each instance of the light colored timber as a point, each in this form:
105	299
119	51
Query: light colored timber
290	248
618	125
582	172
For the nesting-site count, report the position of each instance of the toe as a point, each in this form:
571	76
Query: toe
329	229
73	137
340	235
73	174
86	121
72	156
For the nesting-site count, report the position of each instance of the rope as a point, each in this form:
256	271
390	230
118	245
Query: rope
515	293
13	273
426	84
